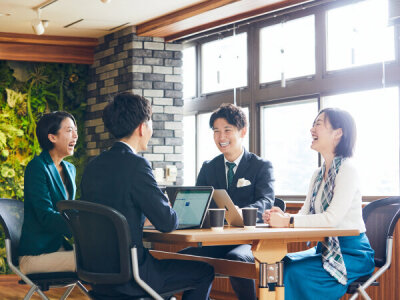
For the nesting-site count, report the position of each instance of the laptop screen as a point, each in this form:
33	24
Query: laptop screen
191	205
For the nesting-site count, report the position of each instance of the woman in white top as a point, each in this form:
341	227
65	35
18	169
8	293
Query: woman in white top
333	200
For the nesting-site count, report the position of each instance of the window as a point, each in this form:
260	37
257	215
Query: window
224	63
376	113
207	149
287	50
358	35
189	72
324	50
189	150
286	142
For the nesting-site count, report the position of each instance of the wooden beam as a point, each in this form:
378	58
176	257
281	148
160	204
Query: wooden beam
28	47
221	266
175	34
145	28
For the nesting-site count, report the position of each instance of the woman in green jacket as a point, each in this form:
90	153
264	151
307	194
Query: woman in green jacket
49	179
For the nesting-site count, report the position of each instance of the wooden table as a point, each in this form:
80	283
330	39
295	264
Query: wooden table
269	246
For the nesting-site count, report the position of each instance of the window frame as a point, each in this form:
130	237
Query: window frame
322	83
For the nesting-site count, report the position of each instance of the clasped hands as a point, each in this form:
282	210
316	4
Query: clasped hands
275	217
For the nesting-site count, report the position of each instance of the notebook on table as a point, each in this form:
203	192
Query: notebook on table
191	205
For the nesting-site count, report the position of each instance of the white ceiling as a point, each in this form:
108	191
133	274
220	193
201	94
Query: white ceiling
99	18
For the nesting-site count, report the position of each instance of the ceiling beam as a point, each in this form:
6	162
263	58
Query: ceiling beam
148	28
29	47
240	15
209	14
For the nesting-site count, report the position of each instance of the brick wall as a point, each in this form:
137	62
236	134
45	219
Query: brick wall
151	68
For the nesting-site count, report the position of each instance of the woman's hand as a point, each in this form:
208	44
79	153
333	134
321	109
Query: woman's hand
279	220
267	213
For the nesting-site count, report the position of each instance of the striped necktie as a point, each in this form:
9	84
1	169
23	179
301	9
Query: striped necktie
230	172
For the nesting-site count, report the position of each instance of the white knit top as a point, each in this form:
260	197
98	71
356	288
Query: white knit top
345	210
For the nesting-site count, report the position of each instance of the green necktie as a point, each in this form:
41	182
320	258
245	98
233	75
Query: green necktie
230	173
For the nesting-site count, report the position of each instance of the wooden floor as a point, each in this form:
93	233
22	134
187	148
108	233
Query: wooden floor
11	290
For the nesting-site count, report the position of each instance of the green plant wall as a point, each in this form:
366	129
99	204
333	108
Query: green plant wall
42	88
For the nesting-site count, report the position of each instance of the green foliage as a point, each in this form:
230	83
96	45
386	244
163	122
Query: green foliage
3	264
49	87
6	77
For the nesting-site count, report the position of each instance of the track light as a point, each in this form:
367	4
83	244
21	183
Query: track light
37	27
37	24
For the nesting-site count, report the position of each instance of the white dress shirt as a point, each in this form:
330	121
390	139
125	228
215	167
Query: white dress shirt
133	150
237	162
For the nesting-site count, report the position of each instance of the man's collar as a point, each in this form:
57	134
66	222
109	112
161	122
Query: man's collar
133	150
237	160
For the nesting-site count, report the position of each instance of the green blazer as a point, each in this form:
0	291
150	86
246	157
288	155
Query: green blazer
44	228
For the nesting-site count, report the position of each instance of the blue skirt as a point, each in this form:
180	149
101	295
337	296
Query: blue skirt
305	278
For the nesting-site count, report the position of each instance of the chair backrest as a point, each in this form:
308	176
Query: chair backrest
380	217
280	203
102	241
11	219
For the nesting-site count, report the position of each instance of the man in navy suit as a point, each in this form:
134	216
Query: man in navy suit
122	179
247	178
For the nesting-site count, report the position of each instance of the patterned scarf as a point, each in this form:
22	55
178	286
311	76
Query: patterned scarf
332	258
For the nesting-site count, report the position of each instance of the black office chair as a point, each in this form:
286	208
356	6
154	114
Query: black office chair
280	203
380	219
103	248
11	219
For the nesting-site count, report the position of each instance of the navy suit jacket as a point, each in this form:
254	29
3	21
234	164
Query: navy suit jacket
123	180
44	228
260	192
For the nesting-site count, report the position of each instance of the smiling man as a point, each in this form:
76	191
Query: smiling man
247	178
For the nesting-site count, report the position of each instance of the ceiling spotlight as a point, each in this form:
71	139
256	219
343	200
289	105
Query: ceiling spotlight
37	24
106	1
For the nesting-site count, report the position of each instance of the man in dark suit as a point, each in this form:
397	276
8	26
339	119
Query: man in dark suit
122	179
247	178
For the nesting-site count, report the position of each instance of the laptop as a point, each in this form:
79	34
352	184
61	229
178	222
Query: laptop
232	216
222	200
191	205
171	192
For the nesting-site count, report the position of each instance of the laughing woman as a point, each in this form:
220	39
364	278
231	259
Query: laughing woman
49	179
333	200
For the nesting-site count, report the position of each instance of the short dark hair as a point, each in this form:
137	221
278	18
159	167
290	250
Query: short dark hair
234	115
124	114
342	119
50	124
